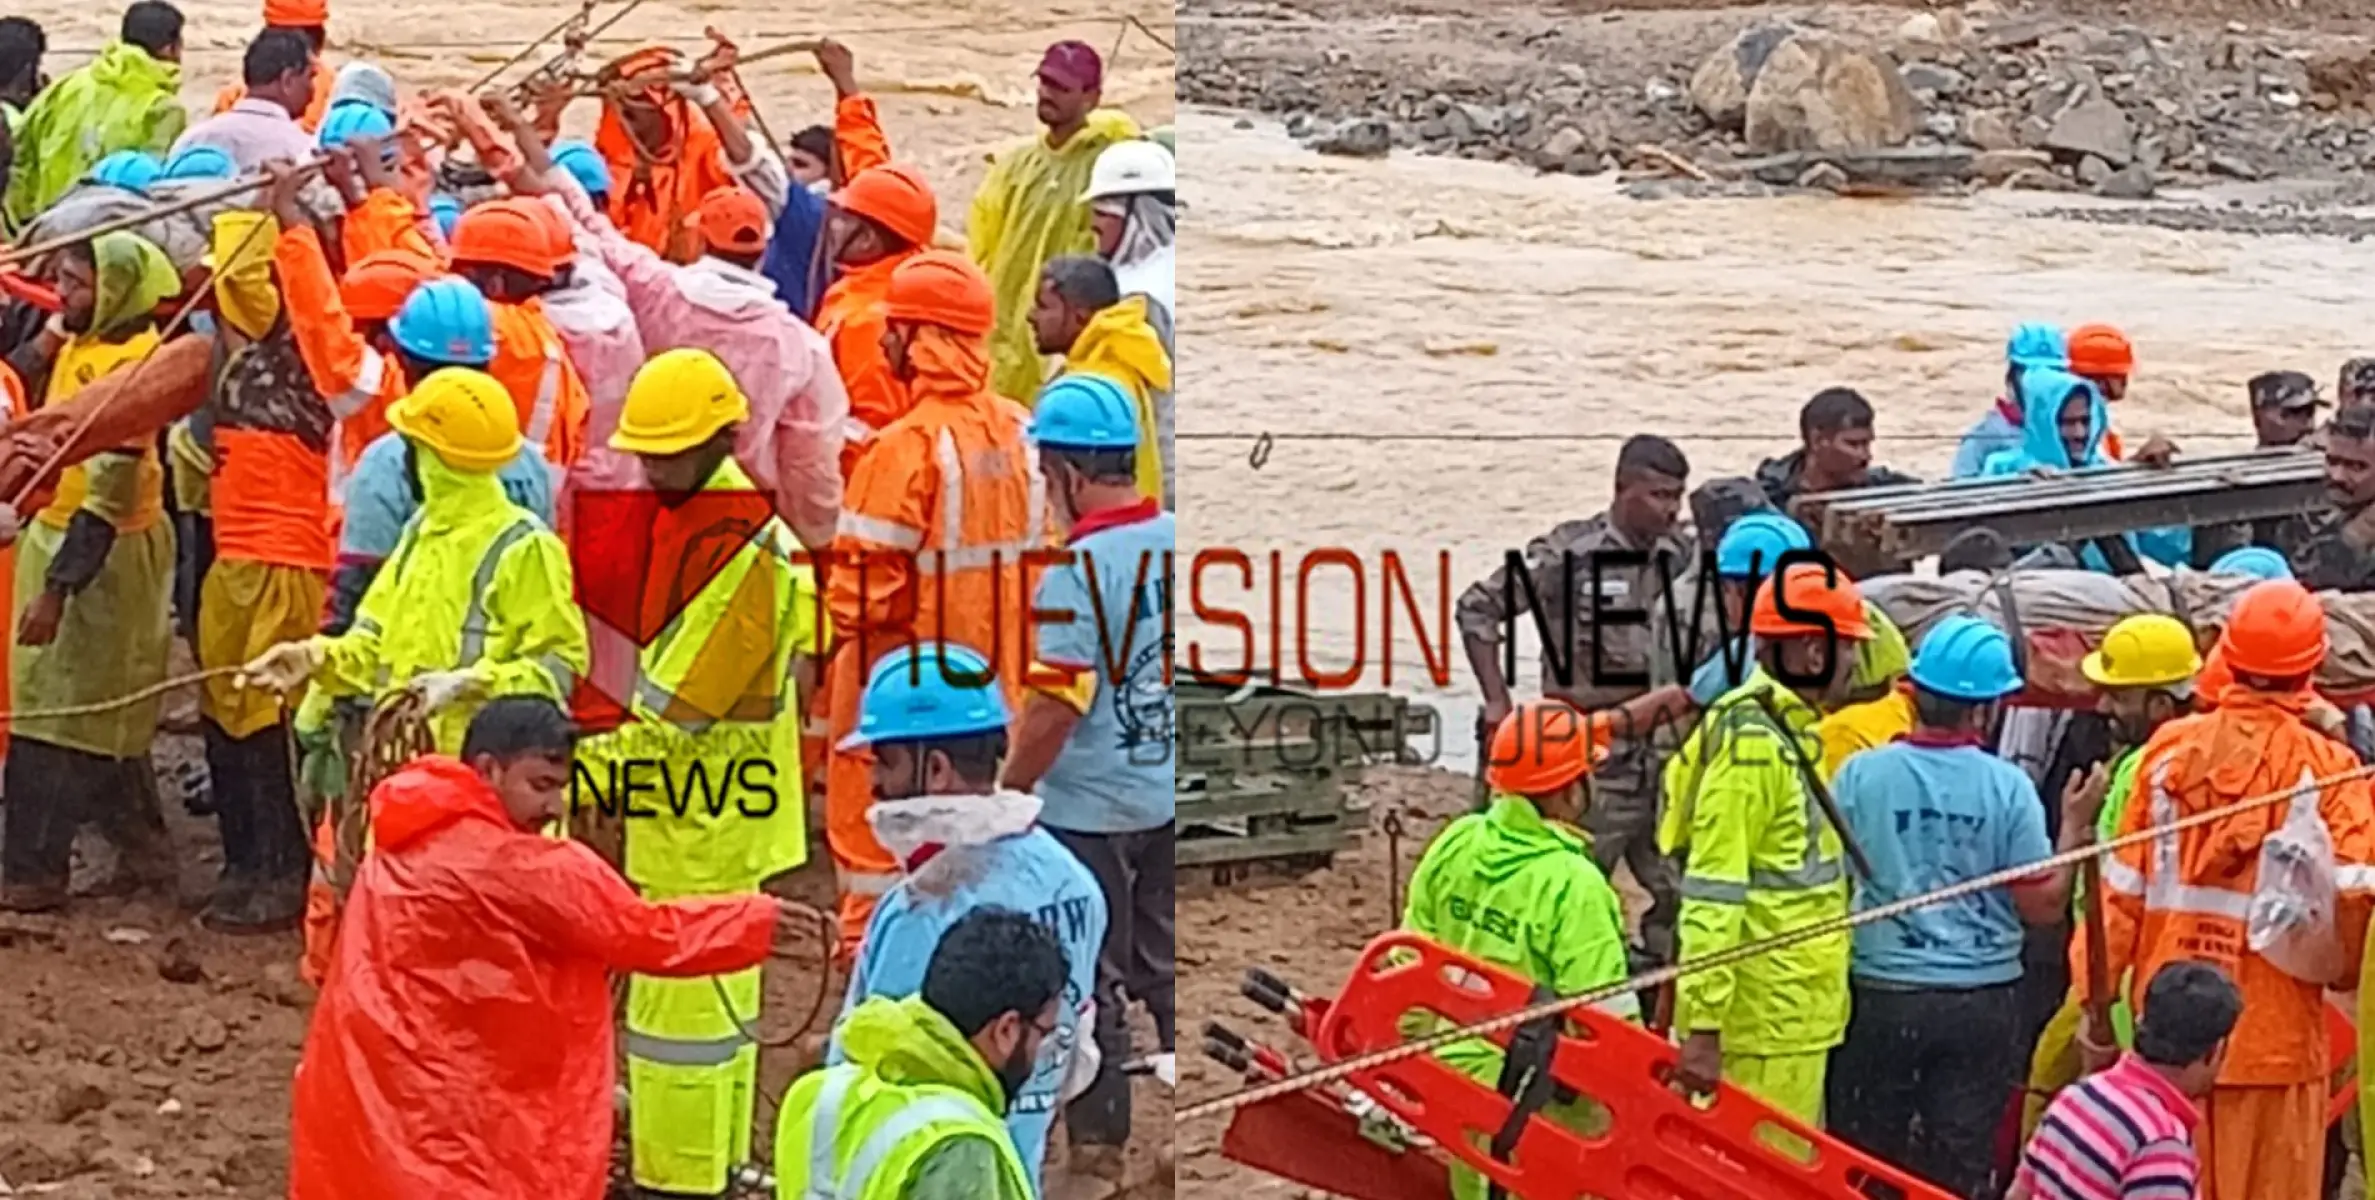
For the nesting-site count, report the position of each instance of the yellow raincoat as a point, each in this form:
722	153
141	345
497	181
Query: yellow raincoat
1029	210
1120	345
475	583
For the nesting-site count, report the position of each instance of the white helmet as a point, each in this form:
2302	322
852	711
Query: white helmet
1127	168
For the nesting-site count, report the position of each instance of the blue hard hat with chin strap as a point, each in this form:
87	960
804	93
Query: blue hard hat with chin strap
1966	658
926	693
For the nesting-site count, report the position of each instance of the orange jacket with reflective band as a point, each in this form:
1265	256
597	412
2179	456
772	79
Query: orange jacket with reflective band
2188	897
323	80
533	364
355	380
387	221
851	318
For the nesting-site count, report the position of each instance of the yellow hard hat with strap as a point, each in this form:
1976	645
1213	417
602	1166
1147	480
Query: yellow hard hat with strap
2145	650
679	400
464	417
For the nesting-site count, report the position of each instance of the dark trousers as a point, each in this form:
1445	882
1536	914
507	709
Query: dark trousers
1922	1080
1135	871
255	799
53	792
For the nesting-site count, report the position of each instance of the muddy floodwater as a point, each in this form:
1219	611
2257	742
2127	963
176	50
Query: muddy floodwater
1447	355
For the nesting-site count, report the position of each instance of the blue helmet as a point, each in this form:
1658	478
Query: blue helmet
446	321
584	164
1754	544
349	119
1966	658
447	212
128	169
2037	344
1084	412
927	692
200	162
2258	562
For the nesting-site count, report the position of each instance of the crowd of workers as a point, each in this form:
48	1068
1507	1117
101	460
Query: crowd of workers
677	482
1793	760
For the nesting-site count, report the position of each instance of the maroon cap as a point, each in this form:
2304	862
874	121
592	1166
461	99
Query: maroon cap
1072	65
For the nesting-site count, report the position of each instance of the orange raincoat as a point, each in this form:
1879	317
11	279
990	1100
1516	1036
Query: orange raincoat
939	514
463	1045
533	364
2188	897
655	197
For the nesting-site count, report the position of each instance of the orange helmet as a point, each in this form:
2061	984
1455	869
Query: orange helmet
2277	631
896	197
1543	746
1811	588
505	233
2098	351
942	287
375	287
560	243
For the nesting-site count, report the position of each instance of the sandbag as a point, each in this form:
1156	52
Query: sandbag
135	404
2062	615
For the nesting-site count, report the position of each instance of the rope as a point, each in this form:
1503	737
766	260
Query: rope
1347	435
1339	1072
585	12
124	701
831	930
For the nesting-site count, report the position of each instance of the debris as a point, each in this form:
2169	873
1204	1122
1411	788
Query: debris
72	1100
170	1107
1669	158
1824	175
2016	35
1996	166
1988	130
1719	88
2094	126
1818	92
2093	170
2233	166
177	964
2133	182
127	935
208	1034
1934	80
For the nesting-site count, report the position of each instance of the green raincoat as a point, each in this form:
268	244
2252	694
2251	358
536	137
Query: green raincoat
1509	888
476	582
1029	210
124	100
908	1066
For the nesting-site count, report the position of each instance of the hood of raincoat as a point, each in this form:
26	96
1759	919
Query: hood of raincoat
451	499
2042	392
910	827
430	794
368	83
124	67
1121	336
1514	834
907	1042
1885	658
134	276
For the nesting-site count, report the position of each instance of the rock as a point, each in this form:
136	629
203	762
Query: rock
177	964
1821	93
2233	166
1922	29
1934	79
1482	121
169	1107
127	935
2094	126
2347	77
1660	92
1823	175
72	1100
1988	130
2013	35
2032	131
2092	170
1243	123
1940	125
1298	125
1996	166
1719	88
1367	137
208	1034
1564	141
2040	180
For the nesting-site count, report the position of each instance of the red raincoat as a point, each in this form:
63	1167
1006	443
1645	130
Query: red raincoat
462	1046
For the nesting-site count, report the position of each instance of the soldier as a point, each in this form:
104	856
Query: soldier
2339	552
1594	580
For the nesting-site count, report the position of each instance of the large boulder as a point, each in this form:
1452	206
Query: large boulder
1818	92
1719	88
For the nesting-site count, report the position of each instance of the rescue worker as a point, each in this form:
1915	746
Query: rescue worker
1081	314
667	145
2144	674
308	20
1835	429
712	706
2064	426
928	1077
502	248
262	127
93	604
936	722
128	98
1761	855
2355	383
1628	553
1514	886
1920	1079
881	220
2101	355
1134	212
2339	552
2034	345
2284	411
412	1082
926	554
1099	728
821	160
1031	206
2188	896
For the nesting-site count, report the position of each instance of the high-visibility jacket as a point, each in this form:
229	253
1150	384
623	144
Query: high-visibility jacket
1027	211
2189	896
914	1094
1120	345
533	364
712	699
125	99
355	380
1762	859
388	220
476	583
851	316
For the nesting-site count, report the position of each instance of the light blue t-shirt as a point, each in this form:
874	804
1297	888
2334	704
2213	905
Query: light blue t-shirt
1116	774
1991	434
1927	817
380	499
1716	676
1032	873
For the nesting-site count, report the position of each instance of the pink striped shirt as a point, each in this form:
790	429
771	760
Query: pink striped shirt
2125	1134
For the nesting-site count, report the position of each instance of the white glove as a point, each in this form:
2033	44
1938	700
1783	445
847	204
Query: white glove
285	667
440	688
701	94
1167	1069
1081	1072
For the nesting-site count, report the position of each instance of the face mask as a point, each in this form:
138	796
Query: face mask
822	187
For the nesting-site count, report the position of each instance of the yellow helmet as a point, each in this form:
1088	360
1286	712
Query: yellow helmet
463	417
680	399
2146	650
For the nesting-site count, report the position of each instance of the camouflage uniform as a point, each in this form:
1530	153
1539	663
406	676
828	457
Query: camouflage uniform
2339	552
1622	818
